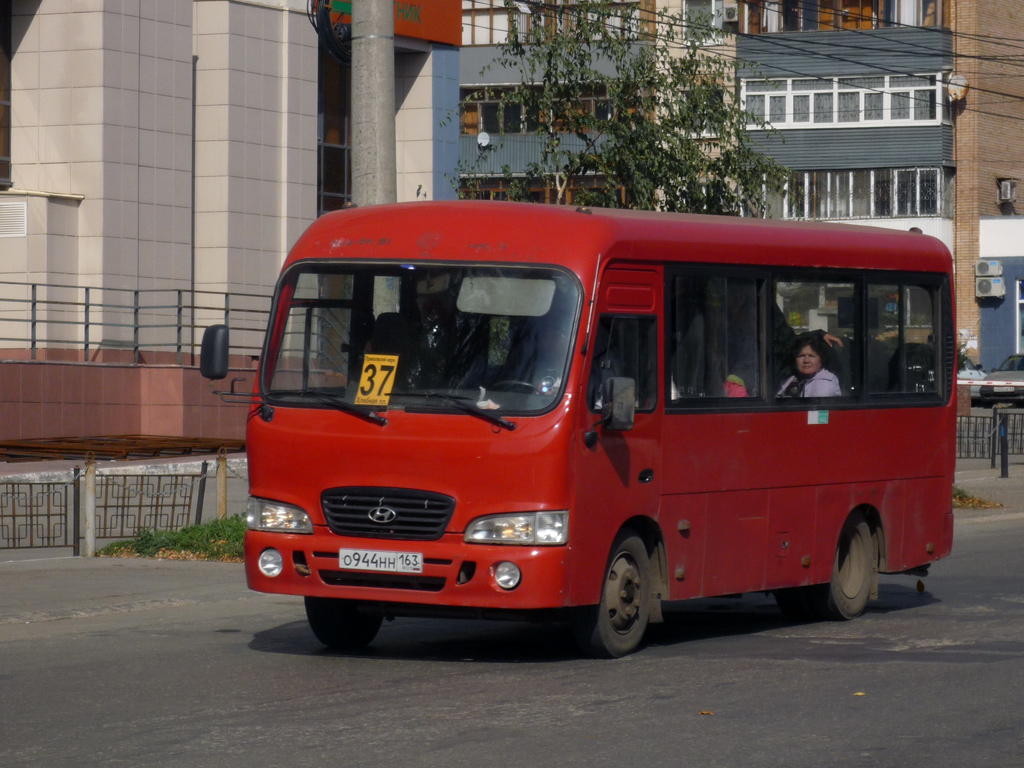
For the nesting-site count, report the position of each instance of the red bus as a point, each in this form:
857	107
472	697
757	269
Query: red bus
502	410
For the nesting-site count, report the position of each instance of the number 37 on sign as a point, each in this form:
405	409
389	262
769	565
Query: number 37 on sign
376	380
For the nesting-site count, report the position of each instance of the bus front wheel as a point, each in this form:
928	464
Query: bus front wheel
615	626
338	625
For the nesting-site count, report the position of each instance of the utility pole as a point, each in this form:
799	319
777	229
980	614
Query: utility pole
373	102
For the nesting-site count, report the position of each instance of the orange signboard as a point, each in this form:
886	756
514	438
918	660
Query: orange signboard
439	21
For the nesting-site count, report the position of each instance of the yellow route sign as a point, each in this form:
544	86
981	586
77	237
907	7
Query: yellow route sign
377	379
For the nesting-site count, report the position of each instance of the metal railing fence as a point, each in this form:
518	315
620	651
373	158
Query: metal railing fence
977	437
37	316
65	509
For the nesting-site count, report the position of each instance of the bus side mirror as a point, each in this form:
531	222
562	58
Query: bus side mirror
213	358
618	403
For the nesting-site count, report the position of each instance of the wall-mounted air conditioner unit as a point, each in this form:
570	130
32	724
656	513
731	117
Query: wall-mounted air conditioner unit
1007	191
730	12
989	287
988	268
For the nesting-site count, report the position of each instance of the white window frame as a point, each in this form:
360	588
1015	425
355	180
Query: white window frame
829	182
891	84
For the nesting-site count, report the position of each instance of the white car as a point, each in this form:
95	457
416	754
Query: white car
968	374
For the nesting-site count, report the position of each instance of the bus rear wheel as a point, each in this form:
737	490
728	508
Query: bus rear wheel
338	625
853	573
615	626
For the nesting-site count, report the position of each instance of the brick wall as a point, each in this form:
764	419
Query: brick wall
45	399
987	144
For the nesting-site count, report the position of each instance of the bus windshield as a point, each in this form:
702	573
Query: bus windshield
418	337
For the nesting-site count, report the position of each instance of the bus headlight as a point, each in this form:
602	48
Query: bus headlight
264	515
544	528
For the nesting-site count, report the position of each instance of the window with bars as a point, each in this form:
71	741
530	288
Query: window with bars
855	194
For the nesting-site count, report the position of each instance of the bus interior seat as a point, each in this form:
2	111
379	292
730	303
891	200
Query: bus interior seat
839	364
879	356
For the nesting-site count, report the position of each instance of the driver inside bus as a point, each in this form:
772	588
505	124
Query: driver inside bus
451	348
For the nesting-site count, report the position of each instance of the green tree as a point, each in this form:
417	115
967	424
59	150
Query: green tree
629	108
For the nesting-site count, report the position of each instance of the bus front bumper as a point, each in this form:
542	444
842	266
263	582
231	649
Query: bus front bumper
454	574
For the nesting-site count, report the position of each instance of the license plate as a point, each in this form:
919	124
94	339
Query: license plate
375	560
1003	389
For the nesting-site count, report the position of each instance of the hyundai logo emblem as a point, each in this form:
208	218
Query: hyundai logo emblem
382	515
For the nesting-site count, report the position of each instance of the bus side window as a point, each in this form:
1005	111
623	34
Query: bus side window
715	336
818	307
625	346
901	349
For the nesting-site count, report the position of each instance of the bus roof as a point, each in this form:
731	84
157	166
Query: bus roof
575	237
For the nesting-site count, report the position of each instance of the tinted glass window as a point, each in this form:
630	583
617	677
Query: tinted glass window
625	346
715	337
901	343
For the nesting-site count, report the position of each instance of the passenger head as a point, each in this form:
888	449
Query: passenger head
811	355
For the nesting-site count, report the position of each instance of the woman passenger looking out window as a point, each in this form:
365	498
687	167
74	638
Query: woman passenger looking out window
812	378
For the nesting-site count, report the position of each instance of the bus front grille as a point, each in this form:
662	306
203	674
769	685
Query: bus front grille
387	513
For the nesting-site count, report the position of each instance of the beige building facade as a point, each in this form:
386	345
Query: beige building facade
157	156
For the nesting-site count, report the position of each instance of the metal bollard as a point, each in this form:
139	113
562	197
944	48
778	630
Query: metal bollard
1004	446
89	507
222	483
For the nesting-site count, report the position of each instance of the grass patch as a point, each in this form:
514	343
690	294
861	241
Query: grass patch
218	540
963	500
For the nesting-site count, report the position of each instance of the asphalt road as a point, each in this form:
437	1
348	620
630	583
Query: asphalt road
154	663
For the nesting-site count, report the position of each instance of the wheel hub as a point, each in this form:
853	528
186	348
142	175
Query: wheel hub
624	594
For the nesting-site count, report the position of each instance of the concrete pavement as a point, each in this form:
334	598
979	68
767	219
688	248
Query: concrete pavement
976	477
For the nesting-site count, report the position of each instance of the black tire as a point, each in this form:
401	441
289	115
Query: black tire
338	625
615	627
853	574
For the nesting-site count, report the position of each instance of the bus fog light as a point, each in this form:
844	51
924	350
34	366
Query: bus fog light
507	575
271	563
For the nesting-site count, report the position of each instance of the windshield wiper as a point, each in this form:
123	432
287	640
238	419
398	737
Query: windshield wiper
335	401
466	404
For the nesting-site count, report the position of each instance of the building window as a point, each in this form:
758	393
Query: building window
703	12
487	22
481	111
761	16
5	95
334	144
861	194
850	101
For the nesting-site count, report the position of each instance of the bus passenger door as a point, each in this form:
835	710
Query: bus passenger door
619	475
